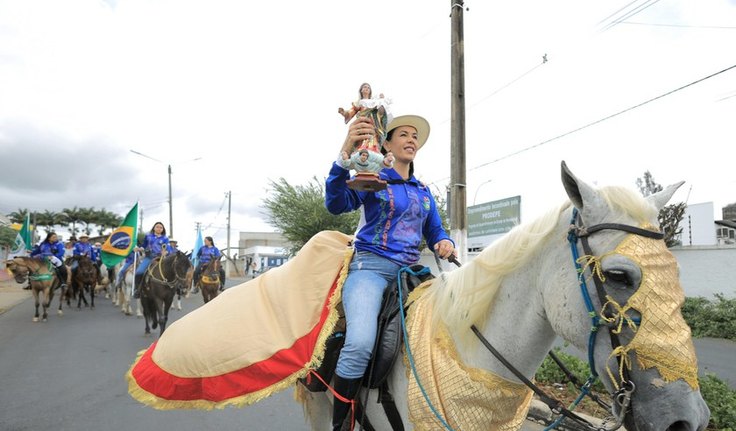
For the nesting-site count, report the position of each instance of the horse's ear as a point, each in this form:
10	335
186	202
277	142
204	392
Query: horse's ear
580	193
660	199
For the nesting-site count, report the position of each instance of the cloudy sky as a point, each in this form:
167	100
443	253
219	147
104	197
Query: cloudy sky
251	90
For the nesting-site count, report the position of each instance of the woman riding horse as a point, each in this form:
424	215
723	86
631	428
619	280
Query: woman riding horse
205	254
53	250
153	245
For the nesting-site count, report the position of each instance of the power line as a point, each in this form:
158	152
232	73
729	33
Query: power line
654	24
647	4
598	121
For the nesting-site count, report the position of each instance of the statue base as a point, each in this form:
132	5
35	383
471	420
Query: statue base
366	182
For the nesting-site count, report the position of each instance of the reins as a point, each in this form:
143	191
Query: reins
169	284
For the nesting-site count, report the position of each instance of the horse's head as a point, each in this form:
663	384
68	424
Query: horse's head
629	283
19	270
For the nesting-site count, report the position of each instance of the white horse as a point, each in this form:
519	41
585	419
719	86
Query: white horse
125	295
521	293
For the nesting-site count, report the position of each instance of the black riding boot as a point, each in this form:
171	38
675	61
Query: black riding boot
137	289
62	274
347	388
222	279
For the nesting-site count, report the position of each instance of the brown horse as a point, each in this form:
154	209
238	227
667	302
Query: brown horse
160	282
209	280
84	278
43	281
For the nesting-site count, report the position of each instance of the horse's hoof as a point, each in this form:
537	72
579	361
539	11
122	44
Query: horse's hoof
45	319
35	319
60	313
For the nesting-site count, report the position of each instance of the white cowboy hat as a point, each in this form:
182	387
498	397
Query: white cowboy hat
415	121
82	235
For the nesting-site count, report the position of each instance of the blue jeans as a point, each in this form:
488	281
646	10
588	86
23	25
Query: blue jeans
362	293
121	274
143	265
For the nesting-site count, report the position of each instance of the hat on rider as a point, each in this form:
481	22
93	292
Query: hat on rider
83	235
419	123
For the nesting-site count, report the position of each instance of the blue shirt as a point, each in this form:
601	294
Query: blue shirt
394	220
83	249
96	255
154	244
206	253
47	249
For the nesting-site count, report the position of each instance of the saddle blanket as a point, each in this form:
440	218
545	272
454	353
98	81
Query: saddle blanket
253	340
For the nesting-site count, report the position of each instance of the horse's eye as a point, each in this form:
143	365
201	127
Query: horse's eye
618	276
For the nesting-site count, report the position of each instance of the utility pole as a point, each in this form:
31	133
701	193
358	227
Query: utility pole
458	184
229	205
171	209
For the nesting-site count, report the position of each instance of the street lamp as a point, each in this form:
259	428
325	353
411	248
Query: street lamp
476	190
171	212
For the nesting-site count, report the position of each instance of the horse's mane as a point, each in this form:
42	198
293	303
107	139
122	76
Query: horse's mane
463	297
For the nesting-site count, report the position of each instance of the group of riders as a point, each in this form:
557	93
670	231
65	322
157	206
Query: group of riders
155	244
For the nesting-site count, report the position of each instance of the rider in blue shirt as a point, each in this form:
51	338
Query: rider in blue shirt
205	254
392	225
53	250
153	245
81	248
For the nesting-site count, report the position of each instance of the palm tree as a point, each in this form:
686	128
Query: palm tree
18	216
87	216
72	216
48	219
105	219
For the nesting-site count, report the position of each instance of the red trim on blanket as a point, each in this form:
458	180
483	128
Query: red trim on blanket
156	381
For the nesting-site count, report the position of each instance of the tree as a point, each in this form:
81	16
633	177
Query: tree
105	219
7	236
19	216
49	219
72	216
299	212
669	216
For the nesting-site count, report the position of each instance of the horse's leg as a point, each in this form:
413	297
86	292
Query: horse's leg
47	295
35	298
92	295
162	307
62	293
317	408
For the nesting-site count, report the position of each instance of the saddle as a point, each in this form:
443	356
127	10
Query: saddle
389	337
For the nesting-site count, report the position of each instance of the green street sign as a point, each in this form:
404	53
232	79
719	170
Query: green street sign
492	218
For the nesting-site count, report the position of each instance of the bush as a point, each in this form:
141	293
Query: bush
708	318
721	401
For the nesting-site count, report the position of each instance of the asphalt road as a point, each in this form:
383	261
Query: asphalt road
68	374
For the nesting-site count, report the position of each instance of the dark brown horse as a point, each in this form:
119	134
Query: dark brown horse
160	282
84	278
43	281
209	280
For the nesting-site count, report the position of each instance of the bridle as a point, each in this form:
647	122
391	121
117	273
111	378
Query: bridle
601	318
33	274
177	277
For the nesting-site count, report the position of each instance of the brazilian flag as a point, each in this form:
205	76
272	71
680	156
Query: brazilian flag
122	240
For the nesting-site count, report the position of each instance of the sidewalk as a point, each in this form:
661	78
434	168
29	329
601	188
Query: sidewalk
11	293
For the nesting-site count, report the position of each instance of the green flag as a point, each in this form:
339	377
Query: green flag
122	240
22	240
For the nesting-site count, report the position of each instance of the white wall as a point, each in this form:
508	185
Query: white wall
698	226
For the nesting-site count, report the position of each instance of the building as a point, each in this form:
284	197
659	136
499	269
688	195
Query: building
260	251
